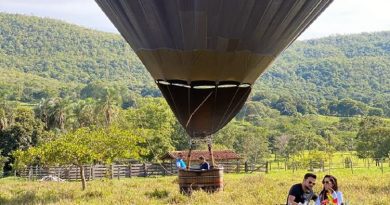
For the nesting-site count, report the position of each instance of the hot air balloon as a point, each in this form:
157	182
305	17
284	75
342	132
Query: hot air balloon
206	54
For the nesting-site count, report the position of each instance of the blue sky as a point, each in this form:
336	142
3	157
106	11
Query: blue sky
342	17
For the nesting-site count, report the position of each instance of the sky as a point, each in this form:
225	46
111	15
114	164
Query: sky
341	17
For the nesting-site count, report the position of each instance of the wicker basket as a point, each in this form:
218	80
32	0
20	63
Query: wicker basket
208	180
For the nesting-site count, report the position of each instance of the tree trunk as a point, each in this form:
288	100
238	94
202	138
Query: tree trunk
62	121
82	175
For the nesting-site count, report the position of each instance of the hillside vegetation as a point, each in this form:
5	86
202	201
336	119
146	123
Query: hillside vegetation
338	75
65	89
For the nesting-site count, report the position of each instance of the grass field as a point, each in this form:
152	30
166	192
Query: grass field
363	187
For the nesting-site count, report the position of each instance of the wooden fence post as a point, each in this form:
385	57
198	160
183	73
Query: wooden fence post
36	172
130	170
310	165
112	171
66	175
145	171
351	166
77	173
171	166
163	169
382	165
246	166
30	173
93	171
293	166
238	166
118	172
285	165
266	167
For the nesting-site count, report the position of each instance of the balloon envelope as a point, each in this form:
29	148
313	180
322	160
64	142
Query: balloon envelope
206	54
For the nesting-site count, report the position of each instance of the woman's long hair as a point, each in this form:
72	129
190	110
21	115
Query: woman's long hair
323	193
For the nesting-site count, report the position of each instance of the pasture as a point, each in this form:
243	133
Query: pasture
365	186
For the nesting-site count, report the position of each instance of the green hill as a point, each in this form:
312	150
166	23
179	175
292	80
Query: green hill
329	73
338	75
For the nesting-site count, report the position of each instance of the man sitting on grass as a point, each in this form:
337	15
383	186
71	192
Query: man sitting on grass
302	193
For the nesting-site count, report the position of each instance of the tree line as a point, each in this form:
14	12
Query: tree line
150	119
339	75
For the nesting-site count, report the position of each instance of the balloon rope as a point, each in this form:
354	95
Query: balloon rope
211	155
174	104
227	110
189	156
200	105
237	104
246	108
213	121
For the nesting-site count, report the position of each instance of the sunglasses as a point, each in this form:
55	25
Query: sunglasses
326	182
310	182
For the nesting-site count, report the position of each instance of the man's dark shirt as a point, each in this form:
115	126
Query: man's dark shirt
300	196
205	165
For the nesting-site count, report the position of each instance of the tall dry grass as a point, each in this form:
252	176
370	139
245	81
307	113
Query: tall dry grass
365	186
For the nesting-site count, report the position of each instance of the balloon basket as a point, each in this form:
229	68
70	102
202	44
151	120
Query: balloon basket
207	180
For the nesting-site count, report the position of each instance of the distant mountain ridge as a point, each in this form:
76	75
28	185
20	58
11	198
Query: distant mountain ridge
337	75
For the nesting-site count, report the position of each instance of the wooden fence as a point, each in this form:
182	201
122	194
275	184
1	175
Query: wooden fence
99	171
163	169
126	171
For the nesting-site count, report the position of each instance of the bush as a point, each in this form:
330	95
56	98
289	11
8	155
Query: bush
159	194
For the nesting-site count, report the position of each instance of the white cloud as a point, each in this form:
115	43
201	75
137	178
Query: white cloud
82	12
351	16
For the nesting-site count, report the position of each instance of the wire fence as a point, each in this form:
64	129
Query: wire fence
347	163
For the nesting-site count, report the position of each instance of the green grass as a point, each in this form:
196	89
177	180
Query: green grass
365	186
337	161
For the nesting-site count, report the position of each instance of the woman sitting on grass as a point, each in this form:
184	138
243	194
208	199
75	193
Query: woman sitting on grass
330	194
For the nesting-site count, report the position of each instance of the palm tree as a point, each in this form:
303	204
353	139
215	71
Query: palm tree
41	111
53	112
108	106
59	111
7	112
84	112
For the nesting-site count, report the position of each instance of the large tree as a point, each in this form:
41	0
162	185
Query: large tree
84	147
154	121
25	132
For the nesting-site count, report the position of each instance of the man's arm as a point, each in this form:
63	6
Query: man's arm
294	191
291	199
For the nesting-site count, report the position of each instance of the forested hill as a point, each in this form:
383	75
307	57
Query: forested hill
342	75
338	75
